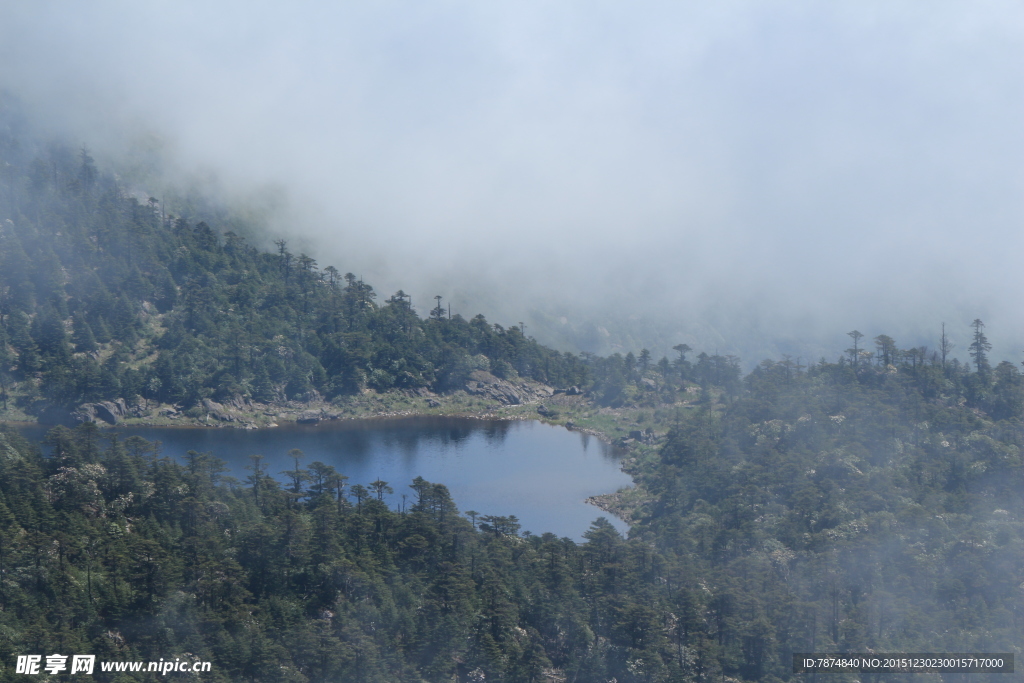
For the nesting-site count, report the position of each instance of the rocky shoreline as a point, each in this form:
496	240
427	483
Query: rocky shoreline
483	396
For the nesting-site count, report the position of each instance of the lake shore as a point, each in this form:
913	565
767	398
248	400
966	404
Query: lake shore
637	429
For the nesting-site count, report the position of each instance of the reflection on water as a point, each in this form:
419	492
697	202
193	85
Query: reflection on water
541	474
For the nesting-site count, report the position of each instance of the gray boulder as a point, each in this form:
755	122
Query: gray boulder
217	411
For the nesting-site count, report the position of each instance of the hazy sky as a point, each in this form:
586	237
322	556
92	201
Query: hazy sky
798	168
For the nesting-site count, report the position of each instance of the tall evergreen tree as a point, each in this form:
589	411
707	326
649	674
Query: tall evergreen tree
980	347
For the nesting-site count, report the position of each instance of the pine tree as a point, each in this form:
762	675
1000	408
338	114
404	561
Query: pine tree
979	350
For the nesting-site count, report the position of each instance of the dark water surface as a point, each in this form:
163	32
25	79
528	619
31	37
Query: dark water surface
539	473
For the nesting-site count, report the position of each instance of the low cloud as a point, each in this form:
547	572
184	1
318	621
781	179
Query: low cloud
758	176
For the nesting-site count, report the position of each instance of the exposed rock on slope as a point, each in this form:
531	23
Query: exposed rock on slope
111	412
486	385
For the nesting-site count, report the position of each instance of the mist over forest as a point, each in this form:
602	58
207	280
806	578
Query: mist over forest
756	178
769	251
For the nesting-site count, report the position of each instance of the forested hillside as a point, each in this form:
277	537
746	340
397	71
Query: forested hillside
104	296
869	503
836	508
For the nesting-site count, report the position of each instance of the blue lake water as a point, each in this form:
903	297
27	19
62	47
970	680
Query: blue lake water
539	473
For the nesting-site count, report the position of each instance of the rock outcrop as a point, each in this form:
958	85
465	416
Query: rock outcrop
646	436
218	411
544	411
486	385
111	412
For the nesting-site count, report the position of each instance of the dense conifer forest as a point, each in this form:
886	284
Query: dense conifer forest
837	508
871	503
196	314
